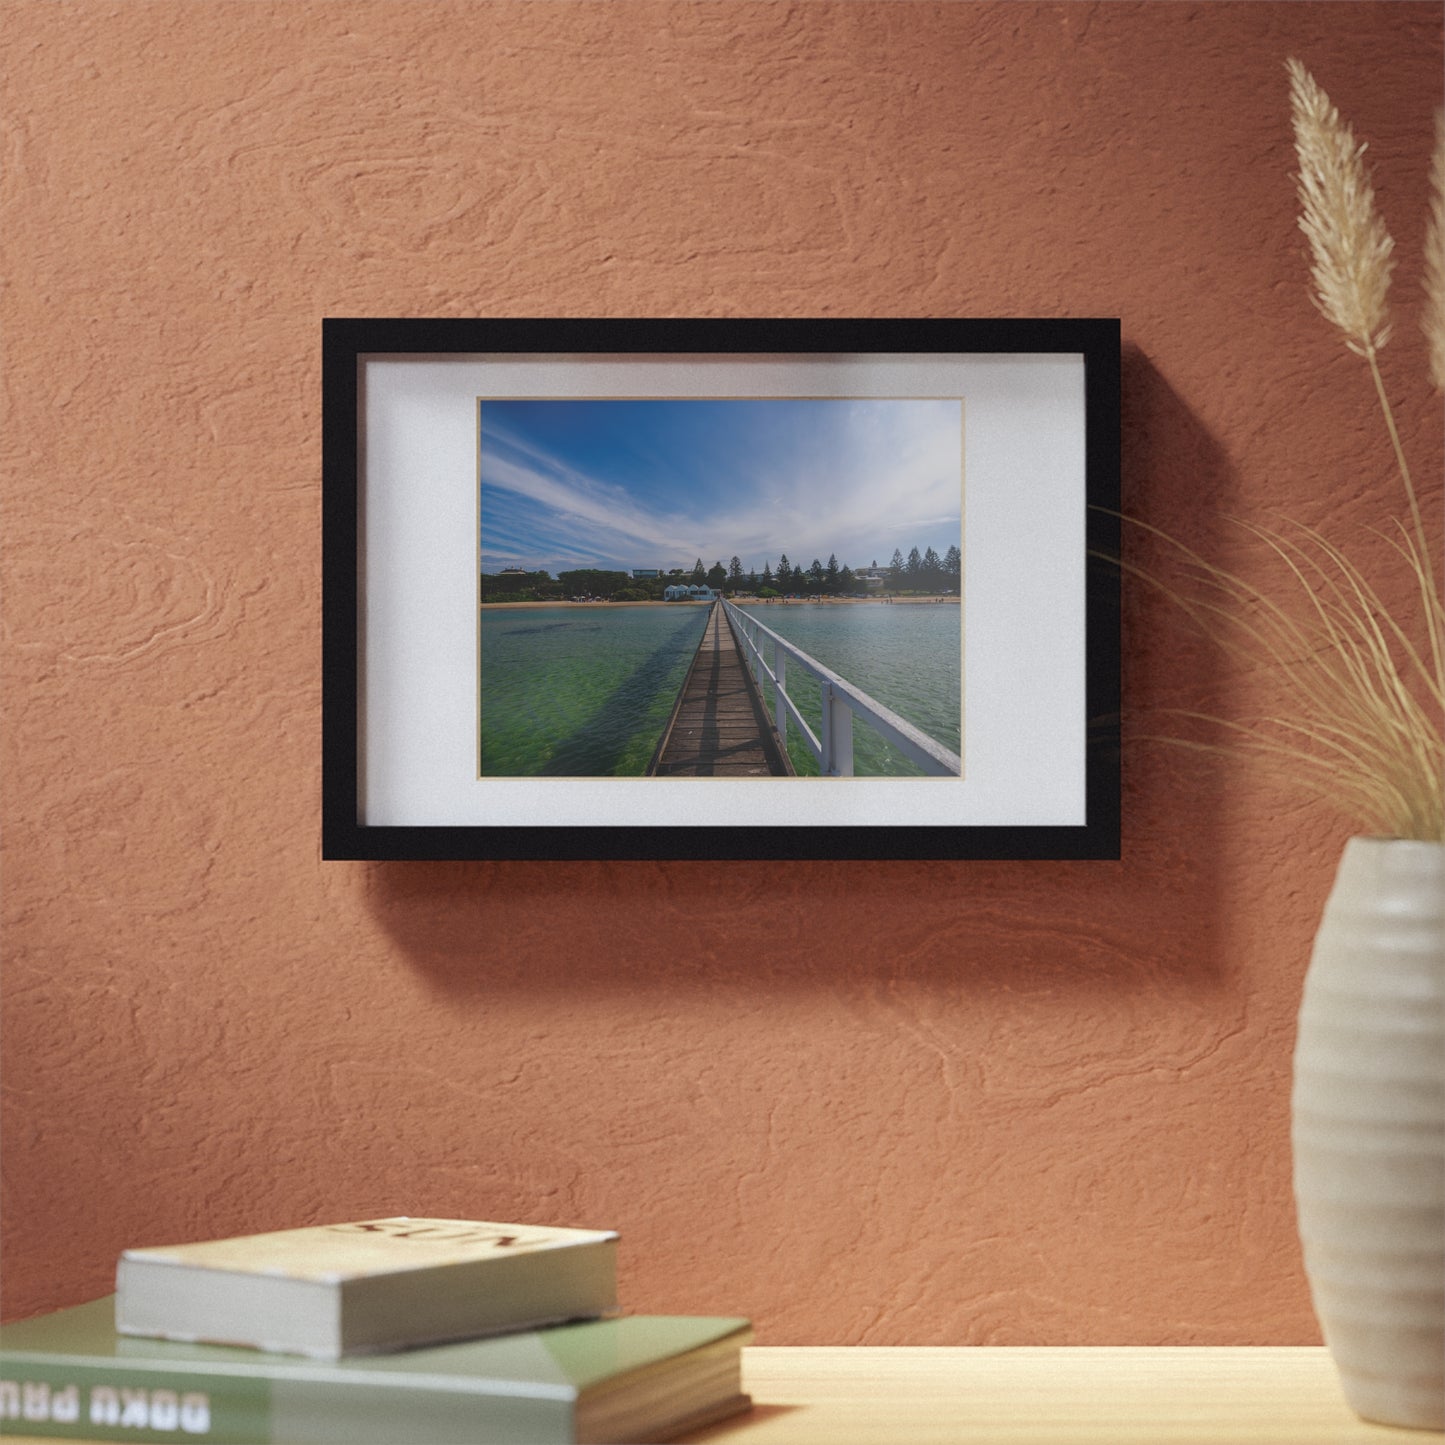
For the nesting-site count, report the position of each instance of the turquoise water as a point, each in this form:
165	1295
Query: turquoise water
581	693
586	692
908	656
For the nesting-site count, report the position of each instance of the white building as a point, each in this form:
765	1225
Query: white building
689	592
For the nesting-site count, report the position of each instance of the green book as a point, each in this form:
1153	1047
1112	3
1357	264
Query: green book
71	1376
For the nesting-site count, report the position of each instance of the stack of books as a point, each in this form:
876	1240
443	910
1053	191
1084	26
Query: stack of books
386	1330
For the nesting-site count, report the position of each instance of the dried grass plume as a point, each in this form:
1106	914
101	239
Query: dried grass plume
1348	240
1434	320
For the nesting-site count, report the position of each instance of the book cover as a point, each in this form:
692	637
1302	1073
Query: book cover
71	1375
372	1285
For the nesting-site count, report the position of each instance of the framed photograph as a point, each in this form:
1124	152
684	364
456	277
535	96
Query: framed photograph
720	589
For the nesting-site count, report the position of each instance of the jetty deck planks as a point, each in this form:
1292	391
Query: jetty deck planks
719	726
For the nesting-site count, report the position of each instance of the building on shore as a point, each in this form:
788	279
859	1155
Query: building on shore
689	592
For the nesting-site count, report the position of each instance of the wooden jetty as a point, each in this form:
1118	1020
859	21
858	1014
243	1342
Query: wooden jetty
719	727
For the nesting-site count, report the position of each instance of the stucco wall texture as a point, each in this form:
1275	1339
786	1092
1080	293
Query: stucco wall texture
883	1103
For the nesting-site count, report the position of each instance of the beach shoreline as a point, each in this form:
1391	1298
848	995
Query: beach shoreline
745	602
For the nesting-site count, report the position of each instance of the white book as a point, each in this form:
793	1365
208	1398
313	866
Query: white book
331	1290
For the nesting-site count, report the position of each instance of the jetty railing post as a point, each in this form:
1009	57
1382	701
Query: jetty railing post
842	736
780	701
837	738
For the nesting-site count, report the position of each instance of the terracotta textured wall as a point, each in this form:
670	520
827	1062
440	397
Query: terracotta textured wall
896	1104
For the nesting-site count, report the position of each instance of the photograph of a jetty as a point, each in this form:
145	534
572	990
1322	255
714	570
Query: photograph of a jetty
720	588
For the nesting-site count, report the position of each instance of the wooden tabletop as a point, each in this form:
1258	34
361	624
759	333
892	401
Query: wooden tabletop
839	1395
1036	1396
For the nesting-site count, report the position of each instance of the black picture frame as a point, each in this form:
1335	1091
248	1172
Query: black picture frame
351	345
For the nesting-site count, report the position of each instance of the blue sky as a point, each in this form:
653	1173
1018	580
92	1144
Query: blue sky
660	483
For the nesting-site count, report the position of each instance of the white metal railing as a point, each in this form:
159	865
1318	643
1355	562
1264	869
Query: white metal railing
841	702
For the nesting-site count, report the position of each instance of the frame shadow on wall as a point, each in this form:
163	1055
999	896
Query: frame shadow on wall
447	916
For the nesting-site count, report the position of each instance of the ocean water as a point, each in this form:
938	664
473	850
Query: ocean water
580	692
908	656
586	692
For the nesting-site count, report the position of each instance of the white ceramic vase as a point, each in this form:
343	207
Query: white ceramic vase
1369	1129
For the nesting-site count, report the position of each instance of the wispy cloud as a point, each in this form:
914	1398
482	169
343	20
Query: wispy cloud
659	483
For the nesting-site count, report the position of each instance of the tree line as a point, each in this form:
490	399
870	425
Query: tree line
918	572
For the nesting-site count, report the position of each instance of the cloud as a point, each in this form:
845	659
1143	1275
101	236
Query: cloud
853	478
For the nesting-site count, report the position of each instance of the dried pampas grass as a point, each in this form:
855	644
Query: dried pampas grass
1361	720
1434	319
1349	242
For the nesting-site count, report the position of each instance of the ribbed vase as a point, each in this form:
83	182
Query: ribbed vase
1369	1129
